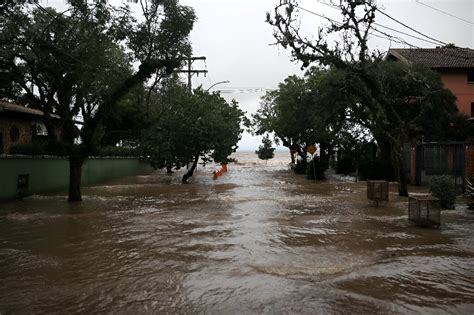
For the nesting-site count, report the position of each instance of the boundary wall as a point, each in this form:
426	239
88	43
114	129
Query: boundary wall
22	175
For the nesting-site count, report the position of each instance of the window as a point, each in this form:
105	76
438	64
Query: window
470	76
14	134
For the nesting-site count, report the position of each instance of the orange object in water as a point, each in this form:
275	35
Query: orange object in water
220	172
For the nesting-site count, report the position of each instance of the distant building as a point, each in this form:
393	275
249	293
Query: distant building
21	125
455	65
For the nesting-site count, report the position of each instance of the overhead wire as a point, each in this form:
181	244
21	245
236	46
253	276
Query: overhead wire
385	35
444	12
384	26
409	27
390	37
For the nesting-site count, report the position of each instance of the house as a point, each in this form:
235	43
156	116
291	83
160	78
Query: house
455	65
20	125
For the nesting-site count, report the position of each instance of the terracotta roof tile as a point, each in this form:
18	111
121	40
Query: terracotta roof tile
11	107
435	57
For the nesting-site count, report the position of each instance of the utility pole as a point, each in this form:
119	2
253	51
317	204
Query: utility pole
190	70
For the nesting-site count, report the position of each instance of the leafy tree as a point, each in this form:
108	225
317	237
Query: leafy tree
266	151
74	64
301	113
391	100
190	127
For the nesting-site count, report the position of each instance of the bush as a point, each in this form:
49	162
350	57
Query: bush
28	149
320	167
117	151
375	169
345	166
300	167
443	188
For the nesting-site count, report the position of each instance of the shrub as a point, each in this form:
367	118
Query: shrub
117	151
300	167
28	149
345	165
320	167
443	188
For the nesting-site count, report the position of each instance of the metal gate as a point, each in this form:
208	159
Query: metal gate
440	159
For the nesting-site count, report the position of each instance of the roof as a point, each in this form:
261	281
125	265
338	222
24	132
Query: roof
11	107
435	57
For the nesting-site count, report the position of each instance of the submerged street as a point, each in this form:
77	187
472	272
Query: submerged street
257	240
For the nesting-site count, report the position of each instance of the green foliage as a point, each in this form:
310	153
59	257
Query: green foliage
117	151
320	166
301	167
266	151
80	64
443	188
395	101
303	112
345	165
190	125
29	149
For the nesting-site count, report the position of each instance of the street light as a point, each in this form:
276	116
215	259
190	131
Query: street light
221	82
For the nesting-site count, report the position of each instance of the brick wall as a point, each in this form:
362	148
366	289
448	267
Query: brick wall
7	124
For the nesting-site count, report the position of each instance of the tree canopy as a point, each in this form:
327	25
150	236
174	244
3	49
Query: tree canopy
189	127
80	63
266	151
395	101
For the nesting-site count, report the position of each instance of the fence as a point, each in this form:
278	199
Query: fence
441	159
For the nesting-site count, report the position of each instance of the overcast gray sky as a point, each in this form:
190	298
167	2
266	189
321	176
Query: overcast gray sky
234	37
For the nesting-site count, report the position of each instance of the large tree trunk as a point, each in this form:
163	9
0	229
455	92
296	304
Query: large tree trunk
398	165
191	170
75	172
387	171
401	178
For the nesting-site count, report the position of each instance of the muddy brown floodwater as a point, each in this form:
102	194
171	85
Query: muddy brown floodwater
258	240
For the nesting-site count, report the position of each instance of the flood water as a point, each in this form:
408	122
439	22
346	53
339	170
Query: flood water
257	240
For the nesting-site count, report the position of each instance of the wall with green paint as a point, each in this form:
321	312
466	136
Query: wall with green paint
48	174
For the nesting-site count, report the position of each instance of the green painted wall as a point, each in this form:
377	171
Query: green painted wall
48	174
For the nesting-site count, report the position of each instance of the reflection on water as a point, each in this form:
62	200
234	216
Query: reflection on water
259	239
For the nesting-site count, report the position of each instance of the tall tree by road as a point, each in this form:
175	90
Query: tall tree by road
192	127
78	63
370	102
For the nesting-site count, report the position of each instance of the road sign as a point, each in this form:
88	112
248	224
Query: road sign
311	149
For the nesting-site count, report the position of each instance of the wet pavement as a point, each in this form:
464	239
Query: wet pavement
257	240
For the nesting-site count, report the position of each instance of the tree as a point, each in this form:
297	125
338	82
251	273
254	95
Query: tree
394	110
266	151
74	64
190	127
301	113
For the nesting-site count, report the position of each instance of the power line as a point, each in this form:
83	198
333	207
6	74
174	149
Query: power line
385	35
410	28
443	12
383	26
390	37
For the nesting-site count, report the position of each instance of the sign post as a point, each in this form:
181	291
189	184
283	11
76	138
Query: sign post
311	149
